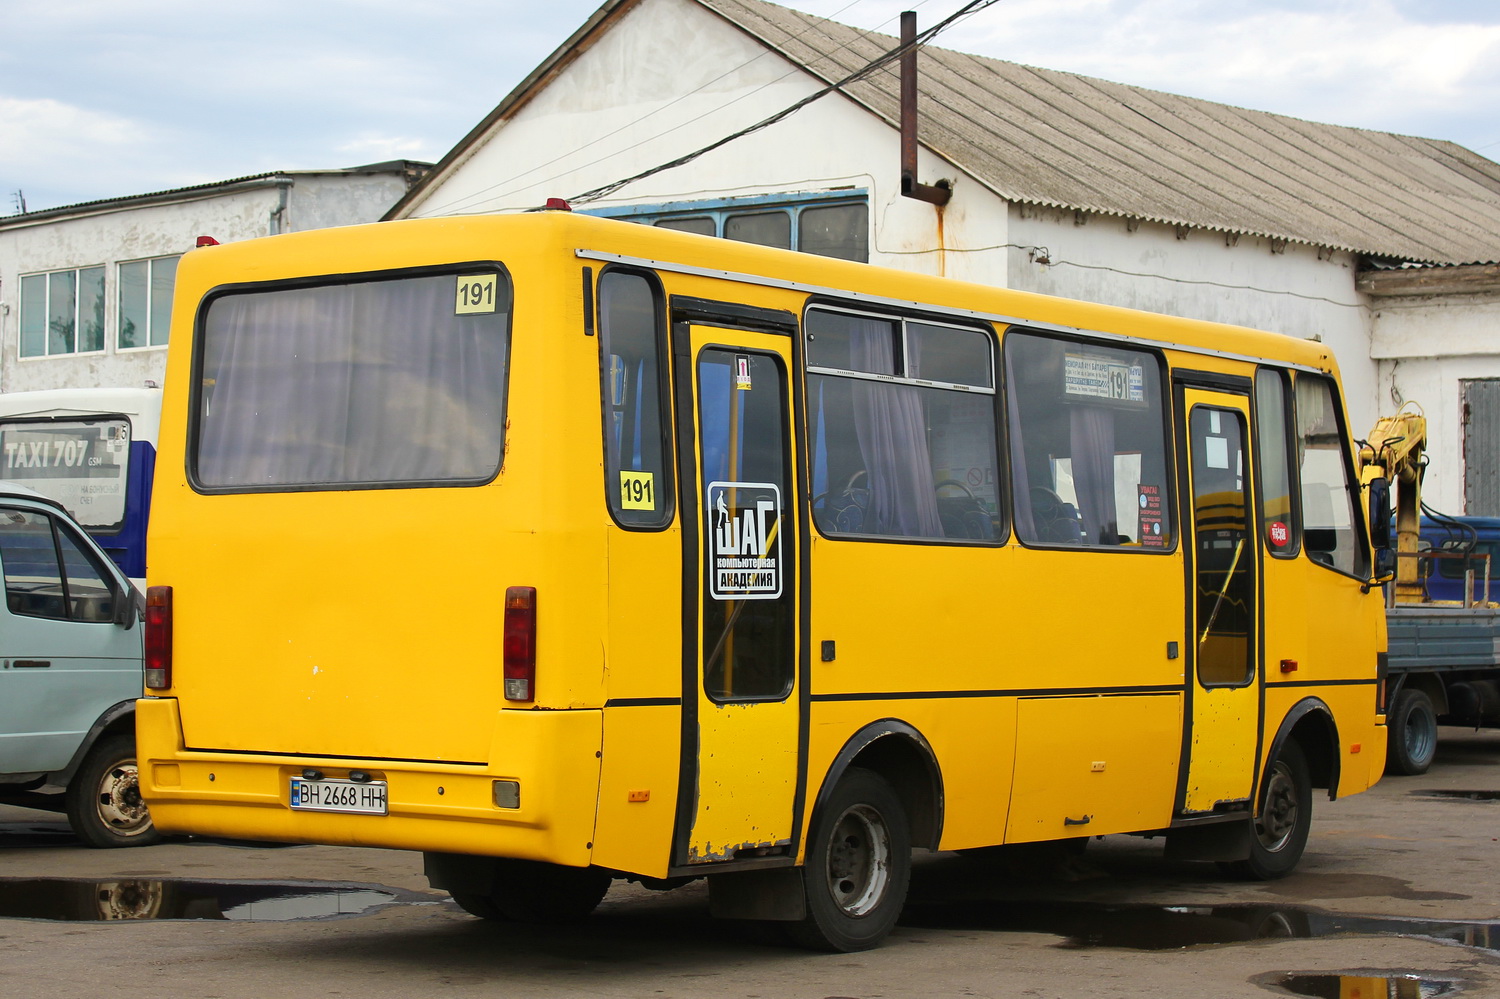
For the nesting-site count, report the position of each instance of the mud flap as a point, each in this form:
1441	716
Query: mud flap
460	873
1225	841
774	894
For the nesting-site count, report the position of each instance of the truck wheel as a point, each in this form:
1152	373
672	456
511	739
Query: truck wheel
1278	833
858	866
1411	731
103	799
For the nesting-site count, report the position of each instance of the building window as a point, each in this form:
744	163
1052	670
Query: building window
828	226
62	312
146	301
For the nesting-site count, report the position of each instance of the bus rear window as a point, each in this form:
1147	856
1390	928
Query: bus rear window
80	463
389	381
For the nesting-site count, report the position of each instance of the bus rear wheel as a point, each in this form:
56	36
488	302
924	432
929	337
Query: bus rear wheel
528	891
858	866
1278	833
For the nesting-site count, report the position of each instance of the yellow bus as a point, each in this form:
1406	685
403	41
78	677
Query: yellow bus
566	550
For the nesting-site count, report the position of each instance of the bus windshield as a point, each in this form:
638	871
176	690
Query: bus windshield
391	380
83	464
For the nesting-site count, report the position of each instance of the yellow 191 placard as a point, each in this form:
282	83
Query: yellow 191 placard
475	294
638	490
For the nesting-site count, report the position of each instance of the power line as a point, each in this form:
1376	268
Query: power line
972	7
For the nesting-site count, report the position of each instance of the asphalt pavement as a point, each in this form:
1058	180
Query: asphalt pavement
1399	892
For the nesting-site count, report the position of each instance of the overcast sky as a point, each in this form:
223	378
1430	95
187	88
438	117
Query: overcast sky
102	99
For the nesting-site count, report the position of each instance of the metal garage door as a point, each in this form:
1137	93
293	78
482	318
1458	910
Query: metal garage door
1482	447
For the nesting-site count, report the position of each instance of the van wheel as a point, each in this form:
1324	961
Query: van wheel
528	891
1278	833
103	799
1412	734
858	866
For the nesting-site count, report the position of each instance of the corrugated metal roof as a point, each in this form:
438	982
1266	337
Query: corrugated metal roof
1044	137
414	168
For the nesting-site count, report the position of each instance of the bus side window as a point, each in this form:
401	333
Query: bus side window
1088	444
637	478
1283	532
909	452
1331	531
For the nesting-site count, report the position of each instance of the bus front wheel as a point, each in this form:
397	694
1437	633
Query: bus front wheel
858	866
1278	833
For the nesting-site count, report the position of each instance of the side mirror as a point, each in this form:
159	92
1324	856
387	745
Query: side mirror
1380	514
130	607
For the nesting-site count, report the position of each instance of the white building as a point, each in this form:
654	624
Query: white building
86	290
1060	184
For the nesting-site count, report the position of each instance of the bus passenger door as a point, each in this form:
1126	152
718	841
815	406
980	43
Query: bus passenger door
1224	690
740	702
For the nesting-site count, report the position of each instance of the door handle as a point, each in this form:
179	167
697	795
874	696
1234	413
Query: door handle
1077	822
31	663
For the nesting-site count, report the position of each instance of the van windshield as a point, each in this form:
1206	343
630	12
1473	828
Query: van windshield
390	380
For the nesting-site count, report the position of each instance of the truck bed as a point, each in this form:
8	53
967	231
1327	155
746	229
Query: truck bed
1431	638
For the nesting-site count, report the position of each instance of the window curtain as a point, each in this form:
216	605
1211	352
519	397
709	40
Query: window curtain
1020	478
1092	442
891	428
372	382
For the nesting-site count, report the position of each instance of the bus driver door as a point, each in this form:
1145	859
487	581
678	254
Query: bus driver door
740	541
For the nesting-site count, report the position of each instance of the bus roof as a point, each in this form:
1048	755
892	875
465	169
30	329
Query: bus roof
386	245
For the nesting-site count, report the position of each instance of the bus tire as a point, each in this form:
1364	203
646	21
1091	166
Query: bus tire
529	891
1411	733
1278	832
477	905
858	866
103	800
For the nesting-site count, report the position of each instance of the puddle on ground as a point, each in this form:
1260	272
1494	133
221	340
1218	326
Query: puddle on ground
1466	795
1145	927
154	898
1362	987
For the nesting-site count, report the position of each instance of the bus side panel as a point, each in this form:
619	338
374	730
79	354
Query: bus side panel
638	788
1361	742
1337	643
972	738
1088	766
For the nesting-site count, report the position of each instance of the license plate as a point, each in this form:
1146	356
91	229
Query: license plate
337	795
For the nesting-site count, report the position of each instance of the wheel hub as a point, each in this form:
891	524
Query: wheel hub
1278	818
120	804
858	861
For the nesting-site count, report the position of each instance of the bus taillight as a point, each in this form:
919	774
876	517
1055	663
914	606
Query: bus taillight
158	641
520	643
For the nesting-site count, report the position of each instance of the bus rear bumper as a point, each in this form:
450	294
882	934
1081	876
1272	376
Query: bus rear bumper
548	759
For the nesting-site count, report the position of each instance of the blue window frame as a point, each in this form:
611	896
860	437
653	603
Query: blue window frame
831	224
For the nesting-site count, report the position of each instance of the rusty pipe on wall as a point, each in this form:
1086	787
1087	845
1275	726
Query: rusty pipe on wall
910	187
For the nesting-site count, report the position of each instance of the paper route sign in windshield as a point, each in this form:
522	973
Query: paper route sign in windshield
744	540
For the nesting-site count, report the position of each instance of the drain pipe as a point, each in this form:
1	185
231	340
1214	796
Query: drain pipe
910	188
